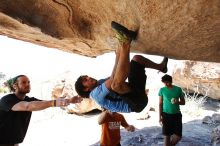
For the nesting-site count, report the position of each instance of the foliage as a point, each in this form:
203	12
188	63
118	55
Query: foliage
194	106
4	90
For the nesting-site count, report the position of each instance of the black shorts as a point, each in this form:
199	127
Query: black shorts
137	98
172	124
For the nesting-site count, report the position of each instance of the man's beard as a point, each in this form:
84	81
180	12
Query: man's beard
24	91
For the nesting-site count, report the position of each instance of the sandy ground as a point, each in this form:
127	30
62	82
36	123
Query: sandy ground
54	127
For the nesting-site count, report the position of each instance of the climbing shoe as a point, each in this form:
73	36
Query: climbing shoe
122	33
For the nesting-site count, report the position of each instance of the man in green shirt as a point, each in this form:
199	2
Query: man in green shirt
170	116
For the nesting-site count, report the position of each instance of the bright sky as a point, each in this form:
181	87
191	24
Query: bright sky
39	63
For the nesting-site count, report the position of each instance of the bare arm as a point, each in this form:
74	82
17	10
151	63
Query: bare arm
160	108
182	101
32	106
130	128
39	105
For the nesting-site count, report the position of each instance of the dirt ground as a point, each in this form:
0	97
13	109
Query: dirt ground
56	127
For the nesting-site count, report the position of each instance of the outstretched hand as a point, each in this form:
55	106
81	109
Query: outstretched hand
75	99
59	102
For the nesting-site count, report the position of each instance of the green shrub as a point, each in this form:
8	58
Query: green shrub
194	106
4	90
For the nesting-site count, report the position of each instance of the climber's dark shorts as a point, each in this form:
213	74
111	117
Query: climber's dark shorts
137	98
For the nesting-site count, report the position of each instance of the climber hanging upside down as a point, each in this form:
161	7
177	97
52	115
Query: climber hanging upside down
114	93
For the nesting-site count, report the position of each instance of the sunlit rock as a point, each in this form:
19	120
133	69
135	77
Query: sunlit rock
188	30
200	77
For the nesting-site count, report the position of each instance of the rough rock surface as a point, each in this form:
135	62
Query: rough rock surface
201	77
188	30
215	136
65	88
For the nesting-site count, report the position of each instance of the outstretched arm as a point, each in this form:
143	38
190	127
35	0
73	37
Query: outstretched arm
41	105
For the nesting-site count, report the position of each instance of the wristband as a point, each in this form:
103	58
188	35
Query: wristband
55	103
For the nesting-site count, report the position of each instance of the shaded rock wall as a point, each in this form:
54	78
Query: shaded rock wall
188	30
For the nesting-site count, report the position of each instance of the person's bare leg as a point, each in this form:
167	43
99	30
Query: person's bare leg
117	55
123	66
167	141
174	139
150	64
122	70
